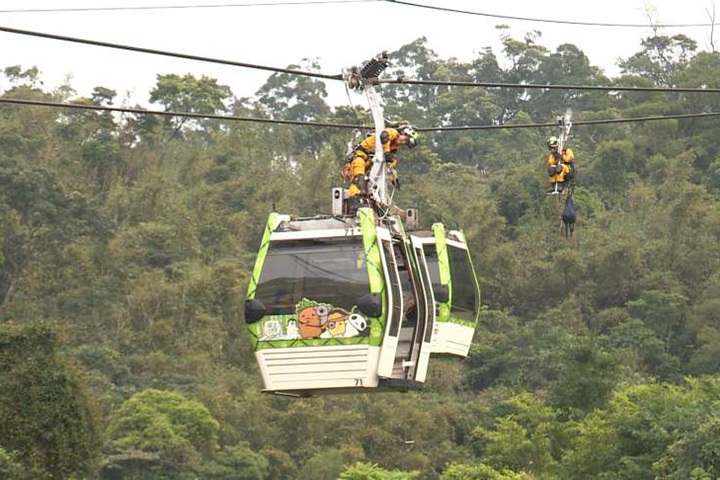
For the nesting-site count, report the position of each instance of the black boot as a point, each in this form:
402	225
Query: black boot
353	204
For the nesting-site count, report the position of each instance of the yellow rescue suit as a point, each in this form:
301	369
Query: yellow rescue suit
560	165
360	164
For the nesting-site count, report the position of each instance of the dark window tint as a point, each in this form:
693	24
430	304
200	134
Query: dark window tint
431	258
395	288
330	271
425	306
464	293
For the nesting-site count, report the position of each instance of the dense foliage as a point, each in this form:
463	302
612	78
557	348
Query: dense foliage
126	242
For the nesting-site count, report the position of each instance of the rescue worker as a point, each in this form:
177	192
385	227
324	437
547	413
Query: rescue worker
561	166
360	160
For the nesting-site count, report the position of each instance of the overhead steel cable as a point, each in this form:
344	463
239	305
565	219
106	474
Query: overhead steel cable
339	76
15	101
410	4
554	124
168	54
176	7
450	83
83	106
548	20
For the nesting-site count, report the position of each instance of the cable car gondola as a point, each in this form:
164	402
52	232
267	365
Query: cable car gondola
347	302
338	304
454	285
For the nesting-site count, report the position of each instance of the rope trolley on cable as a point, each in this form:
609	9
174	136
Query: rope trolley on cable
357	78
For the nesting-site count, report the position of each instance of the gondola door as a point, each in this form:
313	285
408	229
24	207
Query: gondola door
425	309
394	299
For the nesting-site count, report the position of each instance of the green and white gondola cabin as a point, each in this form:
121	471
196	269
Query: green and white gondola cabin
341	304
455	286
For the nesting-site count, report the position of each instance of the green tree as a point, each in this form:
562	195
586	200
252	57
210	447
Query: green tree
369	471
661	58
640	347
703	320
287	96
294	97
568	65
16	75
9	468
416	60
235	463
327	464
39	220
609	169
463	471
159	434
45	417
694	453
587	378
94	136
697	450
525	436
625	439
188	94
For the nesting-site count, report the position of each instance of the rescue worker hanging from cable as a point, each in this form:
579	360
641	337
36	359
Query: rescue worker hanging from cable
561	166
359	161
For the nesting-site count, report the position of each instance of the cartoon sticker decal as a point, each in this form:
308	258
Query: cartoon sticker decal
272	328
292	329
312	322
335	326
357	325
316	320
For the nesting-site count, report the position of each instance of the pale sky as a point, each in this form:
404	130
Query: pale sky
336	34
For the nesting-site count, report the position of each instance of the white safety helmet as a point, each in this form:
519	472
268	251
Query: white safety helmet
411	133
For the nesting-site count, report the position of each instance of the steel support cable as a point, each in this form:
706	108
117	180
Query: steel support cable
547	20
536	86
167	54
179	7
341	125
339	76
82	106
586	122
410	4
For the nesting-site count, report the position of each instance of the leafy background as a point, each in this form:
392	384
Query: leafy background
127	241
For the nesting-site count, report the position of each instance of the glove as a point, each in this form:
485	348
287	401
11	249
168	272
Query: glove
394	180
